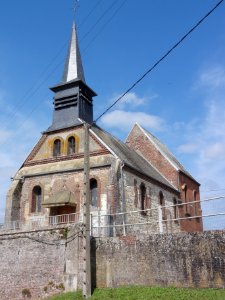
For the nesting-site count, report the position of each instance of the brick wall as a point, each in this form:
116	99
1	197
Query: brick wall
192	209
140	142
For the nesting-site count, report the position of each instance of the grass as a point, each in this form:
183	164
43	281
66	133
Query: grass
145	293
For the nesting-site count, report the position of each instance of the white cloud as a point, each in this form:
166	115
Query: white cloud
205	141
15	144
132	100
5	135
213	77
215	151
126	115
187	148
124	120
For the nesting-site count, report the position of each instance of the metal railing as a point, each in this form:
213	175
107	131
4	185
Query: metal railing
157	219
36	223
170	218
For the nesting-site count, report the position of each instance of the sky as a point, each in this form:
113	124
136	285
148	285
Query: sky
182	101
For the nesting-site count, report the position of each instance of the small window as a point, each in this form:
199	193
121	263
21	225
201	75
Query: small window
94	192
135	193
143	198
57	148
36	199
195	202
175	209
196	206
71	145
162	204
186	206
149	199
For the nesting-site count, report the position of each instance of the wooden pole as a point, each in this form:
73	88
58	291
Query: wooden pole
86	218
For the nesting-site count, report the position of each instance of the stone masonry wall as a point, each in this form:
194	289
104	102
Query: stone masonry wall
152	202
38	263
181	260
41	263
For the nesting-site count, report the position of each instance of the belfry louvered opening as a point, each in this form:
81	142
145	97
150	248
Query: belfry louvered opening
66	102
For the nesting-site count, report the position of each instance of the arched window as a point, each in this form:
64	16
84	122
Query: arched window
162	204
57	148
184	189
135	193
71	148
195	203
94	192
36	199
143	198
149	199
175	208
196	206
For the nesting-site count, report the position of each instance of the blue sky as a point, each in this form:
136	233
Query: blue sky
181	102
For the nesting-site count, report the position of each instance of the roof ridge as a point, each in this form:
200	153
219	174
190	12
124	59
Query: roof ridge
131	157
166	152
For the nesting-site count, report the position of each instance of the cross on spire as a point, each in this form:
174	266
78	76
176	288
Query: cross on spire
75	8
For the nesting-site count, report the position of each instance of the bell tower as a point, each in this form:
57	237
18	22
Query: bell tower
73	97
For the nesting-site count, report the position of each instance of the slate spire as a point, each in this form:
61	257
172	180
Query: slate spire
73	66
72	96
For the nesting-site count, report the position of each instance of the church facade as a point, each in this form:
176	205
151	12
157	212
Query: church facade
137	186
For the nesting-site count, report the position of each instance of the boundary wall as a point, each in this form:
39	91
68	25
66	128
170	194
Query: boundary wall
180	260
37	264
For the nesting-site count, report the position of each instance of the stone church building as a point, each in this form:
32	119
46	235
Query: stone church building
135	186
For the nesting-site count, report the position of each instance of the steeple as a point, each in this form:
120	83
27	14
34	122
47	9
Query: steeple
73	97
73	67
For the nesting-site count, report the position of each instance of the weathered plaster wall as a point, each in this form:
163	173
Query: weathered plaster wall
19	203
46	149
181	260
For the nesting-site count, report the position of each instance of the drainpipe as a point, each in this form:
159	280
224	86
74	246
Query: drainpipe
123	198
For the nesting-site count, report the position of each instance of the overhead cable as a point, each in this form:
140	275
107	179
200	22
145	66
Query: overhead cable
161	59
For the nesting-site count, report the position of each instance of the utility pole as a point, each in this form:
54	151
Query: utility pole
86	218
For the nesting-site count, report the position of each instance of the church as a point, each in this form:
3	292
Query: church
135	186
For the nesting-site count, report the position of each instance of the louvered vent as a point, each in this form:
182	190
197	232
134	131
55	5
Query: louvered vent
66	102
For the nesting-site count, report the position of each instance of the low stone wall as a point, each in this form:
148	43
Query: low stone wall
41	263
38	263
181	260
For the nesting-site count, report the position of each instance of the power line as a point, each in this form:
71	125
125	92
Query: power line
57	242
35	87
89	14
216	190
104	26
161	59
58	65
31	92
99	19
